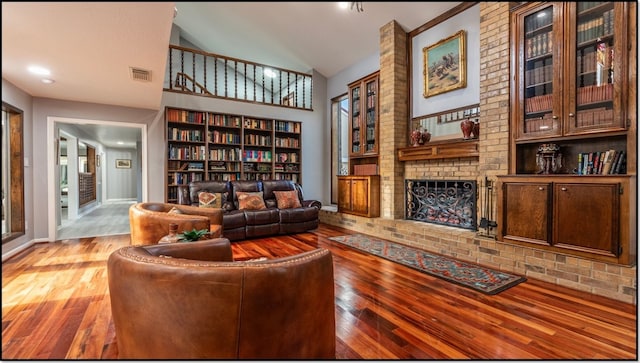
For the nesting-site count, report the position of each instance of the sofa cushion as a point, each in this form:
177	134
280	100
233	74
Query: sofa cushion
175	210
250	200
211	200
287	199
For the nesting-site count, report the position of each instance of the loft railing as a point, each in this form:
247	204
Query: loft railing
212	75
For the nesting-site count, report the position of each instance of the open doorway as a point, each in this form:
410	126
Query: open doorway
90	179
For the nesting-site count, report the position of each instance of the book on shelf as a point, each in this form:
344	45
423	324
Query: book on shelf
608	160
620	165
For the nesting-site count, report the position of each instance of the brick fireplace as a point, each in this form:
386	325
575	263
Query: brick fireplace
447	202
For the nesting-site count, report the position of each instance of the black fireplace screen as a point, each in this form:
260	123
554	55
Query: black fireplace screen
448	202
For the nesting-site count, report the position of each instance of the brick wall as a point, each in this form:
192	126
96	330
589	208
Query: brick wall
617	282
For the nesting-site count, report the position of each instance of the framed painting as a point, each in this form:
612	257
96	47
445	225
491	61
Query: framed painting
445	65
123	163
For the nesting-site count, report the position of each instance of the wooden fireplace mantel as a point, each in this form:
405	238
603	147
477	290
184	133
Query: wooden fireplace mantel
445	149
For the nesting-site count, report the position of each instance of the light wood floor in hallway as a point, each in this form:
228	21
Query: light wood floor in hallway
55	305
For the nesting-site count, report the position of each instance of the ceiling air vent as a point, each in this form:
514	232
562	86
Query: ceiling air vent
139	74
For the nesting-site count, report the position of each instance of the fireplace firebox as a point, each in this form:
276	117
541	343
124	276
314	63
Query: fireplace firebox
447	202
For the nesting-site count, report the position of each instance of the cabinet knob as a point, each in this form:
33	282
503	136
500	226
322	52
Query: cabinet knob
563	189
571	114
554	117
540	188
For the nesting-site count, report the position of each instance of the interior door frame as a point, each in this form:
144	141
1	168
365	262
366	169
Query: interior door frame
52	194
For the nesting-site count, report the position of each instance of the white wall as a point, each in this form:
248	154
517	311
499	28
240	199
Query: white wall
469	20
22	101
121	182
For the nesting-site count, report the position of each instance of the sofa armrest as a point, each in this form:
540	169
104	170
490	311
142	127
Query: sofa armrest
214	214
312	203
217	249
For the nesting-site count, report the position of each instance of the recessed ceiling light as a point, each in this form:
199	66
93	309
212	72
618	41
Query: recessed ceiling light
269	72
41	71
47	80
343	5
120	143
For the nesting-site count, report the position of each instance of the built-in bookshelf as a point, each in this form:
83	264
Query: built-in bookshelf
204	145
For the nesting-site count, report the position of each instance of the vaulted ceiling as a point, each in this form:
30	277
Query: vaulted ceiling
90	47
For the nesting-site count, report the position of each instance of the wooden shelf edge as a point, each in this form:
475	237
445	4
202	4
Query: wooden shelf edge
446	149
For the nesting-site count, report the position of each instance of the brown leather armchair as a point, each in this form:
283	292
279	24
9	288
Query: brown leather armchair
150	221
192	301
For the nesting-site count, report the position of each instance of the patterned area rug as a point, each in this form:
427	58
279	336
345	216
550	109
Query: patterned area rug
466	274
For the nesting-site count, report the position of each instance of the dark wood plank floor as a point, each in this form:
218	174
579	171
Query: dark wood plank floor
55	305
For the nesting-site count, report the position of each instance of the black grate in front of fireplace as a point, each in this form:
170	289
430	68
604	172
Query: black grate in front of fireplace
447	202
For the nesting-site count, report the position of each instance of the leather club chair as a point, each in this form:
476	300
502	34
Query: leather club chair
192	301
150	221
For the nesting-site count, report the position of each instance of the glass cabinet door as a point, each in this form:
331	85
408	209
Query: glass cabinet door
538	81
592	104
371	146
355	121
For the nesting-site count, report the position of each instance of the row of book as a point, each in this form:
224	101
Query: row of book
591	94
186	152
602	162
189	166
220	137
594	117
184	178
290	142
539	44
595	28
257	140
225	154
288	126
539	103
176	134
539	75
225	120
191	117
597	61
256	155
256	124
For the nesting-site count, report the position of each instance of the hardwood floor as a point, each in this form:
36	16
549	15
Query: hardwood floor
55	305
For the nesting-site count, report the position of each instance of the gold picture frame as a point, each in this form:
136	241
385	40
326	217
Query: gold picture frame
445	65
123	163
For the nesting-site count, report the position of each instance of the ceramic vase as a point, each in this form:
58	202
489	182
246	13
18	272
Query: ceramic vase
467	127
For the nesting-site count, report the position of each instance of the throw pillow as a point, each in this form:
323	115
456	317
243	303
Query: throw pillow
175	210
250	200
210	200
288	199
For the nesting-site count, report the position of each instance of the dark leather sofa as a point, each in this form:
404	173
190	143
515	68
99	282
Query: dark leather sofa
193	301
240	224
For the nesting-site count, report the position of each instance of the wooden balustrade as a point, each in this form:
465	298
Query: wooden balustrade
212	75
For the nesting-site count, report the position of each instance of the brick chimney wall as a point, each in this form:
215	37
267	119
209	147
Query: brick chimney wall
617	282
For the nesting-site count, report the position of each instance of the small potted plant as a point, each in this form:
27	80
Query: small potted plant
192	235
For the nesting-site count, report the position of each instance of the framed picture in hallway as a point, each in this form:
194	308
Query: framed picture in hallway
123	163
445	65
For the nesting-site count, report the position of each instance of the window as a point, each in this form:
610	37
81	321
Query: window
12	174
339	142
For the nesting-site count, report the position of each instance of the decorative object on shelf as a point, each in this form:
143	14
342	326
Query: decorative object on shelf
467	127
548	159
445	65
475	131
420	136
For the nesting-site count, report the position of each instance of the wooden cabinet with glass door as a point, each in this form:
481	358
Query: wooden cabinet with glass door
570	106
569	69
363	97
